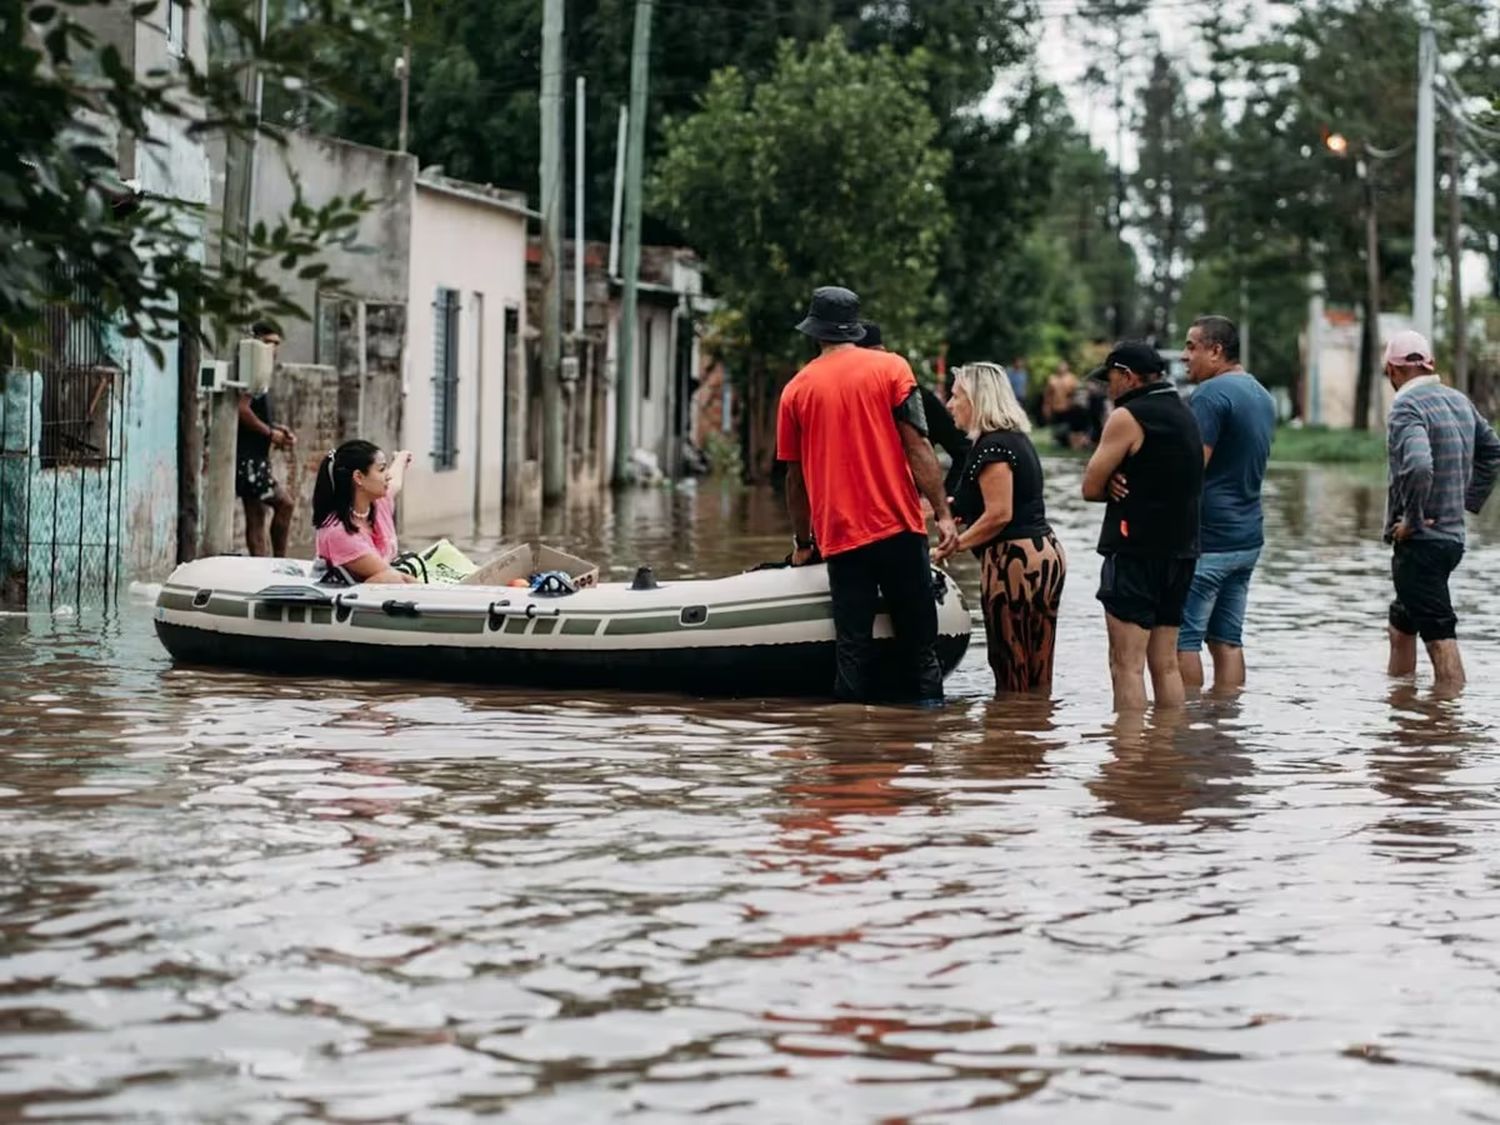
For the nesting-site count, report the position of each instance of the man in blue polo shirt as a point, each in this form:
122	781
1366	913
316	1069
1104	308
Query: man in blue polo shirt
1237	417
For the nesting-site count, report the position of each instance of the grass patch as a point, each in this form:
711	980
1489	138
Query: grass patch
1310	445
1320	445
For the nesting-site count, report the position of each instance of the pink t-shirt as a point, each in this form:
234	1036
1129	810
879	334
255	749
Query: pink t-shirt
339	547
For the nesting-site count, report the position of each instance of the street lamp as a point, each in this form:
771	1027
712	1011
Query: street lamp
1340	146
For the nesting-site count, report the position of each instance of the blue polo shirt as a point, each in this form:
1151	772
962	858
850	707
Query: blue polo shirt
1237	417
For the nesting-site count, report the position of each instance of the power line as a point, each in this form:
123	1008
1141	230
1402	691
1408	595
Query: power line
1468	123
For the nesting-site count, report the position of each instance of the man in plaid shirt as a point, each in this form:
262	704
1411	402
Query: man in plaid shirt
1444	458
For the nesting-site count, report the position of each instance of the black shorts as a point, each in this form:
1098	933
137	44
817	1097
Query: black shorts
1420	570
253	480
1144	591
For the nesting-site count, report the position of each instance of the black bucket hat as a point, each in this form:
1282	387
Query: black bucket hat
833	316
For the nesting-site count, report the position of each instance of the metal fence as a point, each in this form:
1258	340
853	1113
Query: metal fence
62	439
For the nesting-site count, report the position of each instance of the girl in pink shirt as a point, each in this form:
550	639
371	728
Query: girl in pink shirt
353	511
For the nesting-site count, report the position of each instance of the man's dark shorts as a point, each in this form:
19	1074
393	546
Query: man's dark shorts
1420	570
1149	592
253	480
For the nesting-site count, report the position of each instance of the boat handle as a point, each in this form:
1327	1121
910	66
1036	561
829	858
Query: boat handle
500	610
400	609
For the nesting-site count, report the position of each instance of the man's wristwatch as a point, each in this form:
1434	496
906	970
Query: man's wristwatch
802	543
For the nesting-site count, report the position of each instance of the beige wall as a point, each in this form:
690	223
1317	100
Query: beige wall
653	404
376	270
478	249
1338	374
656	345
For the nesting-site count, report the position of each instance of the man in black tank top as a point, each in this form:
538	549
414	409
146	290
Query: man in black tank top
1148	472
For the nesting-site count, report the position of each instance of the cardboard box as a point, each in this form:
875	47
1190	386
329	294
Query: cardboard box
526	559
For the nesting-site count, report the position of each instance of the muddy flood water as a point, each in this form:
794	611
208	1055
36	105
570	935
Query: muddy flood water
237	898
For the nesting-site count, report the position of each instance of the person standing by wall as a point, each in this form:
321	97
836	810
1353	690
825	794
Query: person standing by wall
1000	501
254	483
1237	418
1444	458
851	429
1148	471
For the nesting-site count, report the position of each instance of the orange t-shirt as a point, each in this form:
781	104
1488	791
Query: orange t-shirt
837	418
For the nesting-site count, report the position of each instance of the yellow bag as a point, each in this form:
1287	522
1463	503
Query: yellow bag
442	564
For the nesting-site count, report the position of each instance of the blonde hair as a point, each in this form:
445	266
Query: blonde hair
994	403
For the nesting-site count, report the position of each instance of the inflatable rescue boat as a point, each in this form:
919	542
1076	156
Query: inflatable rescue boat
764	632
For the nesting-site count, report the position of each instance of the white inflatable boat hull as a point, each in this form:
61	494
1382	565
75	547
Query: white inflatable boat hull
765	632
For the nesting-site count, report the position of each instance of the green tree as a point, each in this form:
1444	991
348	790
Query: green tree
826	172
1278	203
1164	187
69	99
475	78
1081	220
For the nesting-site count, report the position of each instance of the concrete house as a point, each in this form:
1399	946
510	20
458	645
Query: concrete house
666	363
88	419
419	344
1329	383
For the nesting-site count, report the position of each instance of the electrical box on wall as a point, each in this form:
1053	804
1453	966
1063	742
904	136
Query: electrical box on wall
257	360
569	372
213	376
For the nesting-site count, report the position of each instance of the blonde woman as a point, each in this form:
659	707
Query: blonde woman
1000	502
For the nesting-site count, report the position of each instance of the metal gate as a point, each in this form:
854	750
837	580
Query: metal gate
62	438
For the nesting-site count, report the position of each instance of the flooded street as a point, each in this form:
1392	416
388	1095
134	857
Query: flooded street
237	898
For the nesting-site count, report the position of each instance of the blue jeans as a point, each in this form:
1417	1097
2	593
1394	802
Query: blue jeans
1216	602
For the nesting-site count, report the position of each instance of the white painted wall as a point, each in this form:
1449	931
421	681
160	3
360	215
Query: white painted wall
479	250
1338	372
653	402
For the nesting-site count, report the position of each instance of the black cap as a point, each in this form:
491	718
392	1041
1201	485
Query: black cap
872	337
1131	355
833	316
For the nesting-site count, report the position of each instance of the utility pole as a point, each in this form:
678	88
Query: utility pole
640	64
1244	322
1424	263
1118	286
614	216
579	123
216	501
554	471
404	67
1456	262
1369	348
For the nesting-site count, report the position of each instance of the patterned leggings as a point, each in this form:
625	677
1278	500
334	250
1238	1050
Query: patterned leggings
1021	588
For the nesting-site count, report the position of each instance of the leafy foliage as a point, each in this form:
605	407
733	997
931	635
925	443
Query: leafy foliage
1276	202
824	173
71	101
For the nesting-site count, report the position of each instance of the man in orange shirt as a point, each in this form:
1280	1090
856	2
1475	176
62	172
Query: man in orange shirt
853	433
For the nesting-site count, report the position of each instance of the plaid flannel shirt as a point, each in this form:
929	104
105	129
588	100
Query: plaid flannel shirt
1444	459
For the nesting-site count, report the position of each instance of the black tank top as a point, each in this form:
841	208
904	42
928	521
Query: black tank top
1160	516
253	443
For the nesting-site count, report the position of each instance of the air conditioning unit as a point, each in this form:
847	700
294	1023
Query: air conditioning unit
257	360
213	376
